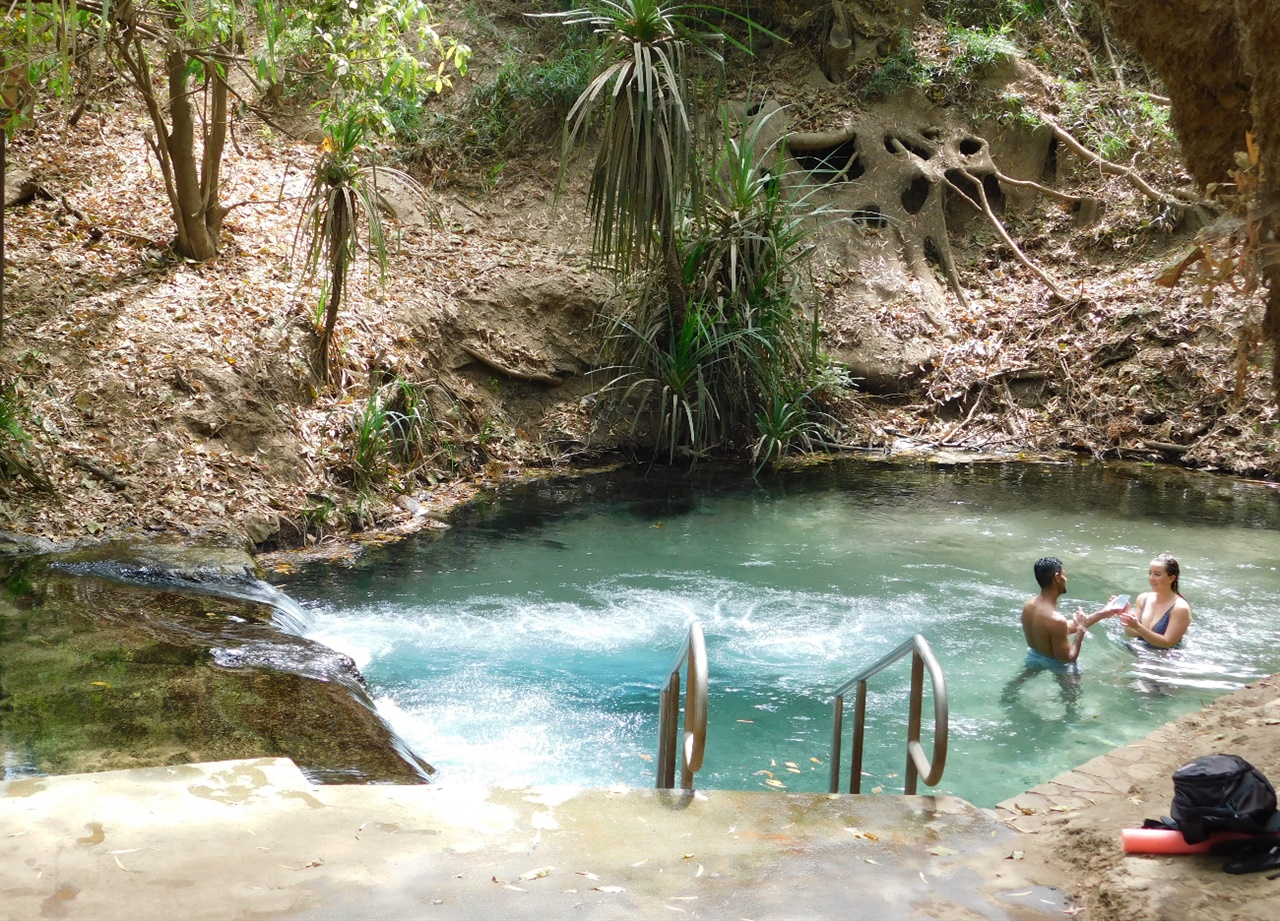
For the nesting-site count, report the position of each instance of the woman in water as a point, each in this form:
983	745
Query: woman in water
1161	616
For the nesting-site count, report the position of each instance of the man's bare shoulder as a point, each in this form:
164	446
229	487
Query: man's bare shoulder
1038	606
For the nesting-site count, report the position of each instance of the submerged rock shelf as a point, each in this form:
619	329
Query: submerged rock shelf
127	656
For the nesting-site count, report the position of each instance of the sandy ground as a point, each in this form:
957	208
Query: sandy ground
1074	821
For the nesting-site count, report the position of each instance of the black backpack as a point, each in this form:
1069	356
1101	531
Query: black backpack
1222	793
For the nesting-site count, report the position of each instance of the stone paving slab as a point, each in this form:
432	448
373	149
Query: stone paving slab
1073	822
253	839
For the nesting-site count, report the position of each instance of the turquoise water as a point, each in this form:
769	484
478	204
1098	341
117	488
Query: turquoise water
527	644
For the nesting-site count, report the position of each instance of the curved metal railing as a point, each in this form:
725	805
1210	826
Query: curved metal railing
917	763
694	652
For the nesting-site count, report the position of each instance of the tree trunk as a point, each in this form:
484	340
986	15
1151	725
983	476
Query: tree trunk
341	229
186	193
192	185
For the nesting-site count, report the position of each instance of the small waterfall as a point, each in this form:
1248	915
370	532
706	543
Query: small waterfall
289	616
148	566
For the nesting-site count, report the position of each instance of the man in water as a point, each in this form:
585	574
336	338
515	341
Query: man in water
1054	640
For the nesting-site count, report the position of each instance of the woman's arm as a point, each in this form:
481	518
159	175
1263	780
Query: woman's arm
1132	620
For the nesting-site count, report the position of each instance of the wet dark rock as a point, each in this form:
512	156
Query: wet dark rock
11	543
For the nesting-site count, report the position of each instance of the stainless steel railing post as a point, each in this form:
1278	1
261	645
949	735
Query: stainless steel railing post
918	764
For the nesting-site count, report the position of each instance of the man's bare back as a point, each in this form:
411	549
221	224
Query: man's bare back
1047	631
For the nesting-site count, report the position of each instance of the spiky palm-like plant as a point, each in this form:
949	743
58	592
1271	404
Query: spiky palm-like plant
645	167
343	193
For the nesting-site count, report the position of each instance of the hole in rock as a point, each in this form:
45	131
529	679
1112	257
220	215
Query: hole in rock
970	146
915	195
892	141
869	216
826	164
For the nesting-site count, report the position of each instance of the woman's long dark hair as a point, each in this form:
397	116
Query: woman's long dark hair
1171	567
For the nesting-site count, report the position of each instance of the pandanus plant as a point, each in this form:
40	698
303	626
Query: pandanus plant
344	195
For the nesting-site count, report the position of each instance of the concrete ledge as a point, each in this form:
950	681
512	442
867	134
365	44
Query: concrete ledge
252	839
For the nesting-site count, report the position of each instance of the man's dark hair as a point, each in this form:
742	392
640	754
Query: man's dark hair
1046	568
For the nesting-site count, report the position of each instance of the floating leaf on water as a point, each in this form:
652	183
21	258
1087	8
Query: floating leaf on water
775	783
795	770
514	888
610	889
1016	855
687	856
870	861
535	874
816	760
746	721
877	789
588	874
644	757
791	764
640	863
762	772
699	873
941	851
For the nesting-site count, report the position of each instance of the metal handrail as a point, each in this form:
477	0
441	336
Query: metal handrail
917	763
694	651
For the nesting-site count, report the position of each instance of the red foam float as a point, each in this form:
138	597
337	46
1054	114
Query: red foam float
1170	841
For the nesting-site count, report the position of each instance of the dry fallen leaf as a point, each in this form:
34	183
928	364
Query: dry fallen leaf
609	889
535	874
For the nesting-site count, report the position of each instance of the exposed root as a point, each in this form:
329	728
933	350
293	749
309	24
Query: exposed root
1115	169
985	207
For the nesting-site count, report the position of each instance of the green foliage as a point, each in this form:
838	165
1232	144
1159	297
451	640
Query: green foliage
901	70
971	51
1115	123
724	368
646	156
787	420
316	516
1013	110
393	434
522	103
344	192
369	454
985	15
384	53
16	456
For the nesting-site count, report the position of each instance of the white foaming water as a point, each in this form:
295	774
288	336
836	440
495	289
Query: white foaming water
535	656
